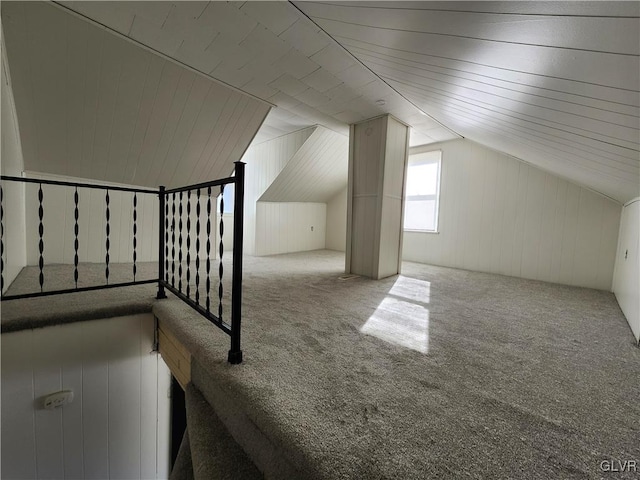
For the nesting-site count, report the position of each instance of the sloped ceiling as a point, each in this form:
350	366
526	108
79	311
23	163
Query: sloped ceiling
93	105
268	49
553	83
315	173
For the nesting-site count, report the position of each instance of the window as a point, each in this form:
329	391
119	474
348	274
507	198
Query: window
422	192
229	198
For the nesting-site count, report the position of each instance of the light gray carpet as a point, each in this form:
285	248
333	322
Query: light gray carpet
522	379
183	466
214	453
518	378
74	307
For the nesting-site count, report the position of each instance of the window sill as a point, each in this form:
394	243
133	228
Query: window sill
421	231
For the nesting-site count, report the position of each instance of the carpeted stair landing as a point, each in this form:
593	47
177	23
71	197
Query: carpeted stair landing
208	451
437	373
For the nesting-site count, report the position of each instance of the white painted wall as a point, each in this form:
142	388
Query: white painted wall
95	105
315	173
58	221
626	281
500	215
290	227
336	234
12	164
377	159
227	236
264	162
118	423
391	206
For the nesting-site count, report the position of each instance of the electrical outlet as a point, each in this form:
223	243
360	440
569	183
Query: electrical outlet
312	228
58	399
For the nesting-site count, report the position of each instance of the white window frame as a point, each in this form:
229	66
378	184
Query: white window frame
435	196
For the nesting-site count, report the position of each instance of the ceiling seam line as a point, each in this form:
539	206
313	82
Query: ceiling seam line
473	11
490	66
488	76
374	74
506	42
496	86
518	101
545	126
466	113
503	108
156	52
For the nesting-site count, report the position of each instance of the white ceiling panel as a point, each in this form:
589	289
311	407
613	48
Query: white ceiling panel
553	83
276	16
95	105
315	173
306	37
268	49
321	80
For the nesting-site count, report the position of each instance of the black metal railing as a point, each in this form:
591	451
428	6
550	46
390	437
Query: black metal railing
178	229
177	216
76	239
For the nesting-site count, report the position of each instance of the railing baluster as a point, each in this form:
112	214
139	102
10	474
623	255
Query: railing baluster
232	326
180	245
162	242
107	243
198	247
1	239
235	353
173	240
41	233
166	237
188	243
76	231
135	231
221	250
208	284
74	190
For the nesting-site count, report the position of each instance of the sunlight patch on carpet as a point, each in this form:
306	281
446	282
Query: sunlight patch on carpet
402	317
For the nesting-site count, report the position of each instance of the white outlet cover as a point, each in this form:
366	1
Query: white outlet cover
58	399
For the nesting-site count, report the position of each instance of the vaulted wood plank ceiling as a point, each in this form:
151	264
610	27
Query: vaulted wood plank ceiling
94	105
268	49
315	173
555	84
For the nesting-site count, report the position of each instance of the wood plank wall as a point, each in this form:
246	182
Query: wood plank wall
264	162
336	230
59	224
12	163
118	423
289	227
377	160
501	215
366	166
94	105
626	279
315	173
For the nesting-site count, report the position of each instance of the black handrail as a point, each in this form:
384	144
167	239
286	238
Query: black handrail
41	245
79	185
233	328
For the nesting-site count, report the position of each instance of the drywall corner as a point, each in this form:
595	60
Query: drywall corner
336	231
626	277
13	196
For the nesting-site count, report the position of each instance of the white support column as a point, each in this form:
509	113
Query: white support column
377	163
